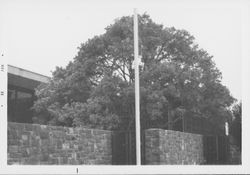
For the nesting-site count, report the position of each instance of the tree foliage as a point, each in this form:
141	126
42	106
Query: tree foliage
236	124
96	89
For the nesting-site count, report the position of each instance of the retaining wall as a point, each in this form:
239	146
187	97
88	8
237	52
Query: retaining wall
41	144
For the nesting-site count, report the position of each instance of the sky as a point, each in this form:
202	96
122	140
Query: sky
40	35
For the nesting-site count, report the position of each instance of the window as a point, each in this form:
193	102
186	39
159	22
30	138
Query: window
20	102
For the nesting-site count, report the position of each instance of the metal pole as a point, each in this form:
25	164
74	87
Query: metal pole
137	91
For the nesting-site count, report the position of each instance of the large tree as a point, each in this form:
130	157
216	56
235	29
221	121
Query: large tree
96	89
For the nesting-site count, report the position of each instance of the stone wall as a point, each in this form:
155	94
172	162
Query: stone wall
166	147
40	144
234	152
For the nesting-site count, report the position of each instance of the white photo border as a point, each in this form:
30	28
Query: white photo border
145	169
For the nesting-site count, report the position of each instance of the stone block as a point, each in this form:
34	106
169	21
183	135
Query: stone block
13	148
53	161
13	142
25	137
65	146
14	161
44	134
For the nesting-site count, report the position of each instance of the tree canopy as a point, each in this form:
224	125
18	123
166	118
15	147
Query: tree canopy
96	89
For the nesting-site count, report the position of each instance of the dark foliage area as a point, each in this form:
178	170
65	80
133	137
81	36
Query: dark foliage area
96	89
236	126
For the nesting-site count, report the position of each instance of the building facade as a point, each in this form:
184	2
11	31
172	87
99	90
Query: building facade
21	93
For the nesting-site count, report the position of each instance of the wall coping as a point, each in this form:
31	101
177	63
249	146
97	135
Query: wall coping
63	127
152	129
165	131
187	133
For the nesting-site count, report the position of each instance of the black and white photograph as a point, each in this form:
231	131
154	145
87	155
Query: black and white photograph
124	84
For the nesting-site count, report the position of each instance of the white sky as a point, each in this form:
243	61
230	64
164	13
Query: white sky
39	35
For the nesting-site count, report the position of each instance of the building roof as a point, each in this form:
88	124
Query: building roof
24	78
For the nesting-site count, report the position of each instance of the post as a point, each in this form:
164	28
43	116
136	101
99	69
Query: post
137	91
226	129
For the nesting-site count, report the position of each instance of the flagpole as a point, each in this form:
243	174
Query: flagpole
137	91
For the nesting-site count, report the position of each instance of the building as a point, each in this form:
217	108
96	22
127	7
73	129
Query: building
21	89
